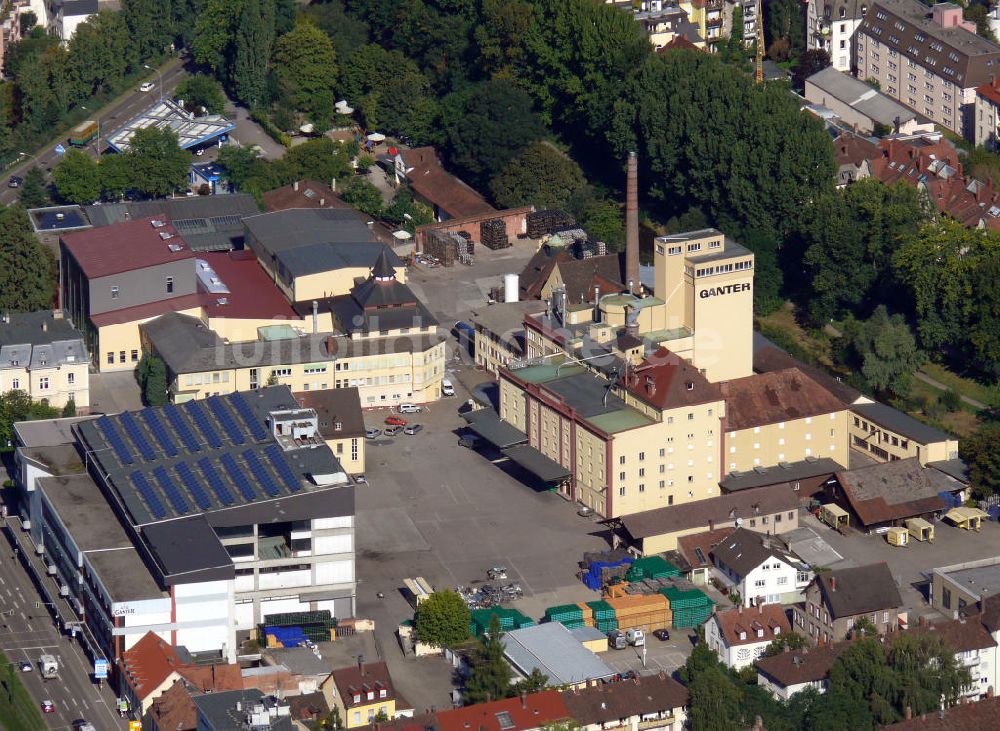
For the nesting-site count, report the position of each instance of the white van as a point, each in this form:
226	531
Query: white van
447	389
409	409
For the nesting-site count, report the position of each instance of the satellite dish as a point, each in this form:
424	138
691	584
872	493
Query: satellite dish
739	522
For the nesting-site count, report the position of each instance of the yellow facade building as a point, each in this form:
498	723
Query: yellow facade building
361	693
43	355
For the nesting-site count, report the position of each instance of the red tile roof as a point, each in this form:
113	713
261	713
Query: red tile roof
808	665
990	93
528	712
213	678
148	311
174	710
978	716
148	663
429	179
308	194
962	635
762	623
599	704
888	491
124	247
776	396
369	677
852	149
667	381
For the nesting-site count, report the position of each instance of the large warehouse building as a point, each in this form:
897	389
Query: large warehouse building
192	521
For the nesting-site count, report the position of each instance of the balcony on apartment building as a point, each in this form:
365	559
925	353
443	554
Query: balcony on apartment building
713	19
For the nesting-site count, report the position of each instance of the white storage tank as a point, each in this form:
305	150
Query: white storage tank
510	286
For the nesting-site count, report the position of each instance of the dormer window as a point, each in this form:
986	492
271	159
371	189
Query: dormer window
381	693
371	695
357	697
743	635
777	631
760	632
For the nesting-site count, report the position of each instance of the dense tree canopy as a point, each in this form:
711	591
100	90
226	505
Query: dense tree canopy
884	350
981	452
77	178
443	619
200	90
306	67
541	176
489	674
157	165
27	269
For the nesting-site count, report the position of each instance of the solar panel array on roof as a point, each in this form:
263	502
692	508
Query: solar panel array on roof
156	426
191	225
260	474
193	484
215	482
137	437
238	476
249	417
226	220
197	412
182	428
147	493
171	490
225	417
113	438
277	459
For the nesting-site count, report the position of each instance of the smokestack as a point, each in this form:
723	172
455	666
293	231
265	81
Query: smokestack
315	317
632	224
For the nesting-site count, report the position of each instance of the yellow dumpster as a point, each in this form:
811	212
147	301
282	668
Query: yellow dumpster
920	529
834	516
967	518
897	536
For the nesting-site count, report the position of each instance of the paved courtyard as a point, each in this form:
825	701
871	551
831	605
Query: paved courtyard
910	565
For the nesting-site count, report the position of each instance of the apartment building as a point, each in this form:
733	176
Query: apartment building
740	636
190	521
929	59
663	21
42	354
988	115
836	600
830	27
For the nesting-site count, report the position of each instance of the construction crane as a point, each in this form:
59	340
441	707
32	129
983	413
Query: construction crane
759	24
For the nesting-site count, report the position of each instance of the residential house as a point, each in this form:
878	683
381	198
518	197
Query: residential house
149	668
65	16
173	710
740	636
664	21
761	568
836	600
242	709
975	649
648	702
964	717
362	692
853	154
42	354
792	671
449	197
885	494
554	267
933	62
341	424
830	26
696	549
528	712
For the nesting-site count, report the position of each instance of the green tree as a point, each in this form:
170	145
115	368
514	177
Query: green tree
27	269
496	123
152	376
811	61
69	409
115	174
489	673
540	176
252	52
536	681
978	13
864	627
158	166
306	67
443	619
18	406
101	52
347	32
714	700
214	32
364	196
150	26
885	350
34	192
200	90
981	452
787	640
77	178
604	220
783	21
499	36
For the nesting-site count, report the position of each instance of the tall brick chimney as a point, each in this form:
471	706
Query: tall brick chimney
632	224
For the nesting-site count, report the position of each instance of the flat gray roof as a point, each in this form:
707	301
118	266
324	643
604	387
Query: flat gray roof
83	509
124	574
504	318
980	581
552	649
48	432
860	96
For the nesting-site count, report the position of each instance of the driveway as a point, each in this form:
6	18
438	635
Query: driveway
248	133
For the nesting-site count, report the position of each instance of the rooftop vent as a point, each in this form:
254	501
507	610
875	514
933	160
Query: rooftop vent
222	301
175	247
166	235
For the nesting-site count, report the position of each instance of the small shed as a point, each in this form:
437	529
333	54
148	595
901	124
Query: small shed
967	518
897	536
920	529
835	516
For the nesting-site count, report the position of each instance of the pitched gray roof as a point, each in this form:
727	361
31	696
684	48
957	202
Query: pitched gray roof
297	227
744	550
786	472
553	649
903	424
859	590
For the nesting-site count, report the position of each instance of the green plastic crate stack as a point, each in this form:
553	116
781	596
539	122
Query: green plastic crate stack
604	615
509	619
651	567
690	607
292	619
570	615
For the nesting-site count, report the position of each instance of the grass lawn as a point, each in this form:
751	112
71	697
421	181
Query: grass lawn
961	423
964	386
18	711
816	345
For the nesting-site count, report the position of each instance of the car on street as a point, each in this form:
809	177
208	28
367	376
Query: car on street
360	480
14	181
395	421
661	634
48	707
372	433
25	666
447	387
393	430
146	86
413	428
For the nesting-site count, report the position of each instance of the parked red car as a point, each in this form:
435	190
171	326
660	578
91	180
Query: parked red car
396	421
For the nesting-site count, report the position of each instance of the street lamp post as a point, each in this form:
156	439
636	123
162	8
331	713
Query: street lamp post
159	76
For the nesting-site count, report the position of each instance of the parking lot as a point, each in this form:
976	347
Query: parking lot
910	564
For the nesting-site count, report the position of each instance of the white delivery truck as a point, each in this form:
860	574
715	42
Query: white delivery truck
49	666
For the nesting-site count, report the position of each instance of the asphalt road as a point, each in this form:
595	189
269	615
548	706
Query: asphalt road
28	632
110	118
